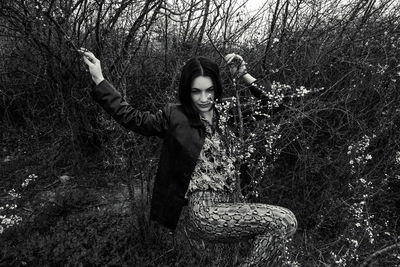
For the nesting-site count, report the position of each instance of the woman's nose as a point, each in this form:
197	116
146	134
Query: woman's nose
205	97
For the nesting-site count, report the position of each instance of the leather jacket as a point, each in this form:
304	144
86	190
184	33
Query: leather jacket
183	139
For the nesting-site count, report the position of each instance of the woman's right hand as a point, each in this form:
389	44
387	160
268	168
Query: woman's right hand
93	64
236	64
237	67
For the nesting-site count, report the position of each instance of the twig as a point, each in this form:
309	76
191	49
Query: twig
231	78
163	255
61	30
376	254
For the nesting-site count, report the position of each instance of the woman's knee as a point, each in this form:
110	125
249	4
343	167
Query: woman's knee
290	222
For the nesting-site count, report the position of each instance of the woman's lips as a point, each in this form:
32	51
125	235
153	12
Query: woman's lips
204	105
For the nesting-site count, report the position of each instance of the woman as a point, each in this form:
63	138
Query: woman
191	149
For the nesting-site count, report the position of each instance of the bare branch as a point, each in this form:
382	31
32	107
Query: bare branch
203	26
378	253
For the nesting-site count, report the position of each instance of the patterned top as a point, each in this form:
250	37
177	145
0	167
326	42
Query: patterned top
214	169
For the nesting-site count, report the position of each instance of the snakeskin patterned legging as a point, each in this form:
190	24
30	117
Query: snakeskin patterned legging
214	217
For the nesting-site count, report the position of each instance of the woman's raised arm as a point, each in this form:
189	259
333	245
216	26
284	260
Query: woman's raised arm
104	93
238	69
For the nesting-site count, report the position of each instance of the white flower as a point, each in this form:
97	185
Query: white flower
354	242
398	157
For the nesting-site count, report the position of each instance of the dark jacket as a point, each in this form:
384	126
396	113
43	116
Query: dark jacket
183	140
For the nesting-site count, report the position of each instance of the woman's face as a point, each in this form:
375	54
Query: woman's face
202	93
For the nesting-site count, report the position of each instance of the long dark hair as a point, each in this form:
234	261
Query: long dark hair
193	68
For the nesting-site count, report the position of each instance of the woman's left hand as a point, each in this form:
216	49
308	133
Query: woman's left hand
236	64
94	65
